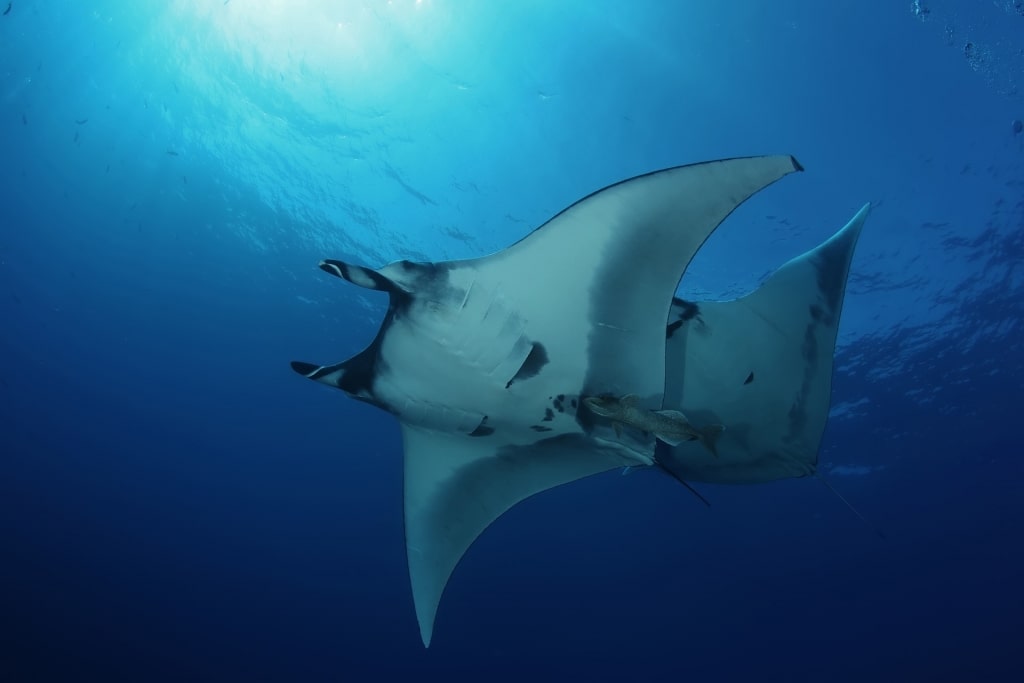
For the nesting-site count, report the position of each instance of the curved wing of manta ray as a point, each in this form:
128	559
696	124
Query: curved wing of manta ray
761	366
484	361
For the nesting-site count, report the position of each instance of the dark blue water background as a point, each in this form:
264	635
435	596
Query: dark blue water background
176	504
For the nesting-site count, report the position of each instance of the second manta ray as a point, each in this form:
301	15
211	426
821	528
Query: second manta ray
485	362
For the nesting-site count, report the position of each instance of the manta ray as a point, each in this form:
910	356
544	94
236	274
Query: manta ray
486	362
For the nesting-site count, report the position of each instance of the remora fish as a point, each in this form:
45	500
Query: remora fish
671	426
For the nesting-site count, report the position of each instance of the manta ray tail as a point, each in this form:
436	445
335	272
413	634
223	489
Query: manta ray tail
686	484
849	505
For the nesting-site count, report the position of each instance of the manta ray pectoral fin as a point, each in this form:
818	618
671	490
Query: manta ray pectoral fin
455	486
610	264
784	333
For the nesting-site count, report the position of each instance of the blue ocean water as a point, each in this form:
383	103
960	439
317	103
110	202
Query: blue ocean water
177	504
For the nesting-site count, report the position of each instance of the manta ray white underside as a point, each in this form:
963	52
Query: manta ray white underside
485	361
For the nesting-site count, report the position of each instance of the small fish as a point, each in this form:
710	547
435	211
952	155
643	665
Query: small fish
172	153
671	426
24	120
81	122
8	10
76	137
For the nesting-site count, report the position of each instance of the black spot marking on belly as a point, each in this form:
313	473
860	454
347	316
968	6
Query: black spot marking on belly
684	311
749	379
689	309
482	429
559	403
574	404
531	367
549	415
540	428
